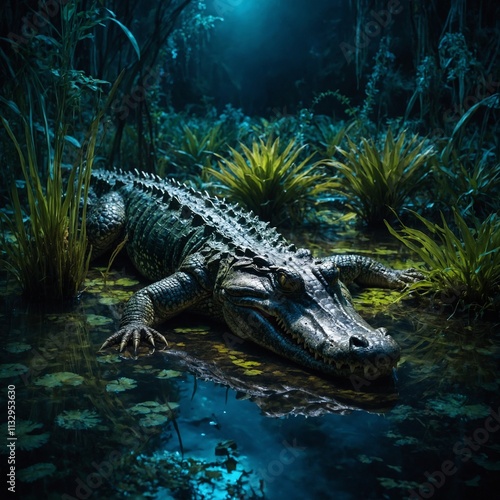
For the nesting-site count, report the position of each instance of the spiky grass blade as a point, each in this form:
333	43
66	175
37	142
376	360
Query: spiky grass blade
271	181
463	266
378	181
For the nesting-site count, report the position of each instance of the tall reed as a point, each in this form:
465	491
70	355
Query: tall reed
49	255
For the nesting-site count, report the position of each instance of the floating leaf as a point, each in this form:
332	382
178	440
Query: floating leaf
59	379
474	482
453	405
152	407
109	301
35	472
246	364
365	459
143	368
153	413
252	373
153	419
25	440
77	419
482	461
8	370
390	483
16	347
96	320
197	330
109	358
126	282
122	384
168	374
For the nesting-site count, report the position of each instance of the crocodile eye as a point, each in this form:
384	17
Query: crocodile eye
288	282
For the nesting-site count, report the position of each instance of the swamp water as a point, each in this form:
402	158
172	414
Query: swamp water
214	417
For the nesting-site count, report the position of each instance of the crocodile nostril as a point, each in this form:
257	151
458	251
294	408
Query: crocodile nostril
358	342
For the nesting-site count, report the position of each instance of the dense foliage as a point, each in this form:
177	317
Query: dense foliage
359	132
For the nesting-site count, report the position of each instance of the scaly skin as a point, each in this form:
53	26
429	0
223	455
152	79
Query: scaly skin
210	257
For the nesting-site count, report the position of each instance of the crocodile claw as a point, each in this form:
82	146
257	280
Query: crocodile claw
134	333
405	277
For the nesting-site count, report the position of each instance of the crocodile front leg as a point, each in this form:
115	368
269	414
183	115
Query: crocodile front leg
368	272
154	304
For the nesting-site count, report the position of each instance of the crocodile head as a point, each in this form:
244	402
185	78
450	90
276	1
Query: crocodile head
299	309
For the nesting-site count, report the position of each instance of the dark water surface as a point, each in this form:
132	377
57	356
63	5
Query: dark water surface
214	417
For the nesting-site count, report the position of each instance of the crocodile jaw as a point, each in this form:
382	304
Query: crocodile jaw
334	346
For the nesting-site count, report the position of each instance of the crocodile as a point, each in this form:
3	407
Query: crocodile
207	256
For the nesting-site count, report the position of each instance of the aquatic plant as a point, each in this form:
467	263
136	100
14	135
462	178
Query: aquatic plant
330	138
11	370
49	257
77	419
378	181
59	379
470	184
153	413
121	384
271	181
197	149
36	472
27	441
463	268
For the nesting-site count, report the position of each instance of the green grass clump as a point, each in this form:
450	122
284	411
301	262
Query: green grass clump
378	181
271	181
463	268
49	255
197	149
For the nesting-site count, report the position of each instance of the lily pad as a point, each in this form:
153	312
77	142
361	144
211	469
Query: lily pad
96	320
153	413
16	347
126	282
109	358
109	301
8	370
121	384
36	471
168	374
365	459
197	330
152	407
153	419
59	379
77	419
453	405
25	440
